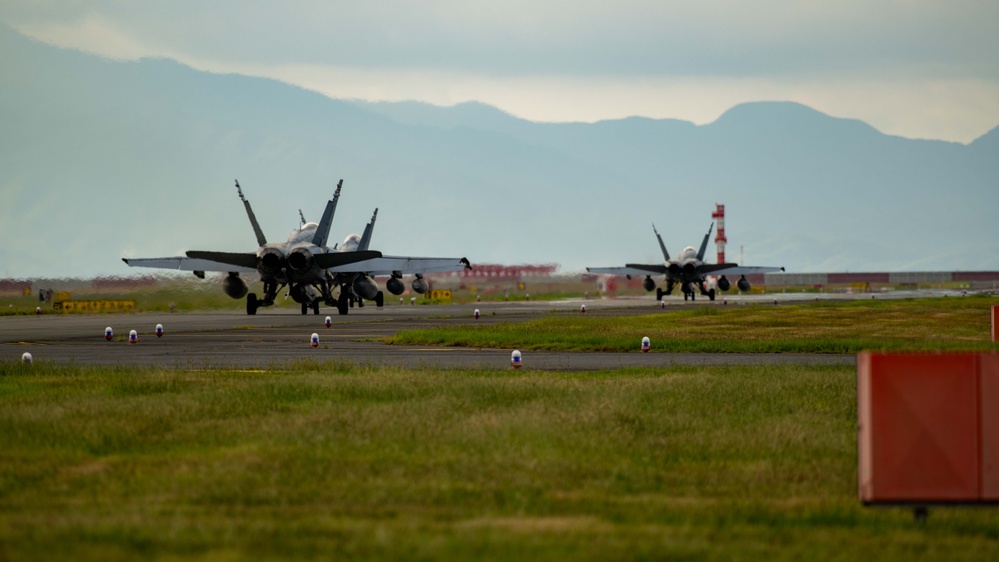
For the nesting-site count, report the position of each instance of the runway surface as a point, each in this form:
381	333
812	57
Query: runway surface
275	339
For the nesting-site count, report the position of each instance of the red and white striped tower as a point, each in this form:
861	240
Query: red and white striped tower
719	216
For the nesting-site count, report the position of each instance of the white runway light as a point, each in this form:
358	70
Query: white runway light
328	322
412	300
159	330
38	310
515	359
646	344
476	314
315	340
662	304
108	333
133	336
26	358
582	308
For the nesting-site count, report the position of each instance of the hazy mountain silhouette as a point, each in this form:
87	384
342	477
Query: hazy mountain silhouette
100	158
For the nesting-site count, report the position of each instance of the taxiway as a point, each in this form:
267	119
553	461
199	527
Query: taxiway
275	339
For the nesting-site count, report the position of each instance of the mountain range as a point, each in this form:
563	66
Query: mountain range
101	159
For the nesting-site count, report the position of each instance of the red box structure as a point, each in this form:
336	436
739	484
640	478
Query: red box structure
989	410
995	323
928	427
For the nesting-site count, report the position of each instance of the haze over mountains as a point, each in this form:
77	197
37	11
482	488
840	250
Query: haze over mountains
101	158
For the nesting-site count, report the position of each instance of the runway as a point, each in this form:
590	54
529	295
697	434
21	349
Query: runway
277	339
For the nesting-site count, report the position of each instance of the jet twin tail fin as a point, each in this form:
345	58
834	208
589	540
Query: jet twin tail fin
261	239
323	231
366	236
704	243
661	245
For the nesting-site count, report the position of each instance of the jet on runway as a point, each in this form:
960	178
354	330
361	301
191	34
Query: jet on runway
688	270
303	264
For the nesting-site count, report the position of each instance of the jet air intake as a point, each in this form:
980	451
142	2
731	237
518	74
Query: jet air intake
743	283
648	284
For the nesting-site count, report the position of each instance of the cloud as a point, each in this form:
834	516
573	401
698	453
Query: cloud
919	68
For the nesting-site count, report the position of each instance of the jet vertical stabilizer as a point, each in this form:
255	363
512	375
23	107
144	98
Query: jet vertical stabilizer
323	230
661	245
366	236
261	239
704	243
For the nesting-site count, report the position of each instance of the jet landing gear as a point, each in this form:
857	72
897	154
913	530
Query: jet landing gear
688	291
270	293
669	291
314	305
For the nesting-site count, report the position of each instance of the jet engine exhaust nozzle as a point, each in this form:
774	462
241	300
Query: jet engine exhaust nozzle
300	260
271	260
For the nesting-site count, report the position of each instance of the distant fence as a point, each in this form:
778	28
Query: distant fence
95	306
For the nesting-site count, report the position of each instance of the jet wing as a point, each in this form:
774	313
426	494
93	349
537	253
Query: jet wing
186	264
735	269
387	265
630	269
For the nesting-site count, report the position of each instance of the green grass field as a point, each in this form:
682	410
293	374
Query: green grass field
333	461
812	327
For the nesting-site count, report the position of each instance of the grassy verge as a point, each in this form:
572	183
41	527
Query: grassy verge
820	327
335	461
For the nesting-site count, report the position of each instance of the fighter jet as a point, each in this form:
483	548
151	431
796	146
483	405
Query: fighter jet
299	263
309	268
688	269
355	280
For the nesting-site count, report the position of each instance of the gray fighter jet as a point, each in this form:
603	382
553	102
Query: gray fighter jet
688	270
303	264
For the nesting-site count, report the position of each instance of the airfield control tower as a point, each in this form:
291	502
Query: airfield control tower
719	216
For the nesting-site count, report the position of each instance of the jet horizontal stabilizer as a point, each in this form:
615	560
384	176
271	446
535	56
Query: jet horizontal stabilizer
326	261
229	258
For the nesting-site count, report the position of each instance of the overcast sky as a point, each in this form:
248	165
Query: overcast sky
915	68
